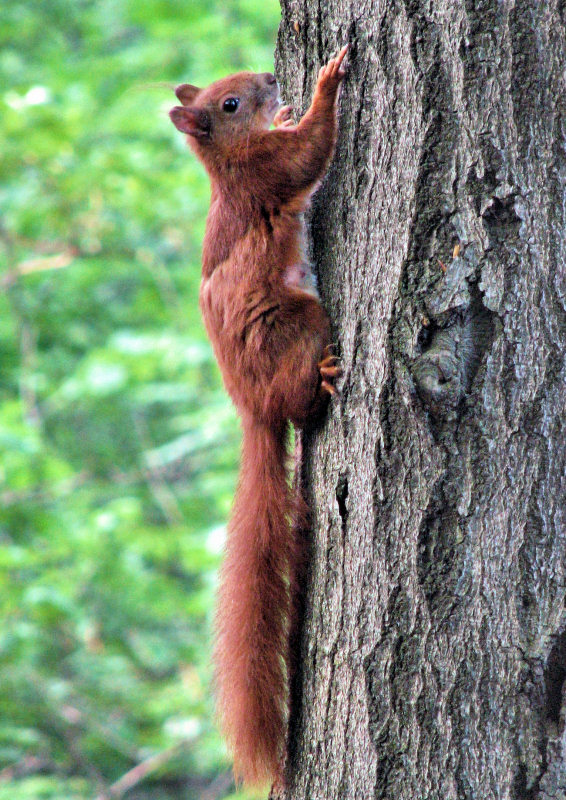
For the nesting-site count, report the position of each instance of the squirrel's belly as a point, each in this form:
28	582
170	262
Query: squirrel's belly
300	276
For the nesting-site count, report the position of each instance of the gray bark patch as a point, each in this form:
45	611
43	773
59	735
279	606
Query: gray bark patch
434	658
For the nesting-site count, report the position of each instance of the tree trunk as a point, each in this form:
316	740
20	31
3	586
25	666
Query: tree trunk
434	648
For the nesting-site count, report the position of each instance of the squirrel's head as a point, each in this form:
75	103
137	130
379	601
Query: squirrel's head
227	110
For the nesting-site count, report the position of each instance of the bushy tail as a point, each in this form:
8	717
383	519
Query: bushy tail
255	608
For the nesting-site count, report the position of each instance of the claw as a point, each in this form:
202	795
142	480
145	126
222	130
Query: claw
327	352
341	54
328	387
326	362
330	372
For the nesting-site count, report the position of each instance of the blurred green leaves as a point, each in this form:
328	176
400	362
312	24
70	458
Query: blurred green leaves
118	446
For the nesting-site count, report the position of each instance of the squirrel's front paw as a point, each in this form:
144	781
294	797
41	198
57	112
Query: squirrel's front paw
284	118
332	74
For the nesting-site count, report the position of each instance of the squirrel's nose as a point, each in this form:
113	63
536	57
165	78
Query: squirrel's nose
269	78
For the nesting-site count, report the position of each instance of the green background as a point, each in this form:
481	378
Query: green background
118	446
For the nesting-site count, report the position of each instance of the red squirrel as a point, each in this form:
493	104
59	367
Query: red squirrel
271	338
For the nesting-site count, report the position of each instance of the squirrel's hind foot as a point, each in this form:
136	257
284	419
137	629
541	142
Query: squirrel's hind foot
329	370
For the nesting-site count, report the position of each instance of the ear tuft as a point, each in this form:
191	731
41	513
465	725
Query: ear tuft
194	121
186	93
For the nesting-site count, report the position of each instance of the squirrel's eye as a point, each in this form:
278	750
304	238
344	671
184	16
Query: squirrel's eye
230	104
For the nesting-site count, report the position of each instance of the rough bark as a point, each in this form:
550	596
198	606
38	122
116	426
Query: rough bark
434	649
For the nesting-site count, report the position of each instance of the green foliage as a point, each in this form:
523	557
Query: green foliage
118	445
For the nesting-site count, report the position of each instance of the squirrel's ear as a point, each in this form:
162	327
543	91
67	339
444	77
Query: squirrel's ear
186	93
194	121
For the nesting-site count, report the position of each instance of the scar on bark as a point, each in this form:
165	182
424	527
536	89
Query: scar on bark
444	372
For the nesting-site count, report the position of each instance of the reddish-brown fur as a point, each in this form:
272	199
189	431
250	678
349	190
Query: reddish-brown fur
270	335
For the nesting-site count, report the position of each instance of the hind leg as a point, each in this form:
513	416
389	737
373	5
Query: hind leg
304	382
